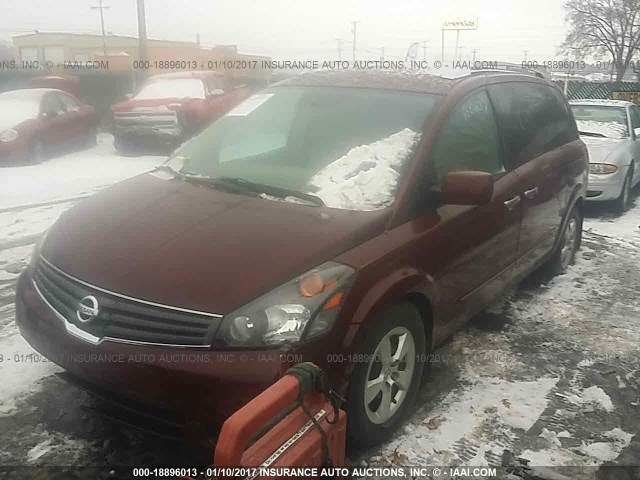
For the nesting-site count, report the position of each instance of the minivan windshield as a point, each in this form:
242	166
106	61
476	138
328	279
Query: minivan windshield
345	146
601	120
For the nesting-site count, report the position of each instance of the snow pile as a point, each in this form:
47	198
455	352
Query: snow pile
593	396
608	129
39	450
365	178
608	451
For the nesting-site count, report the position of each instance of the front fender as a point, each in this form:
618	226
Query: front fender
385	292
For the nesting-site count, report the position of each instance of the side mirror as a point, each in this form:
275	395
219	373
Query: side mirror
466	188
636	131
48	115
129	96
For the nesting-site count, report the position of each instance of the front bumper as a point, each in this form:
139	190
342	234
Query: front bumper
14	152
201	385
606	187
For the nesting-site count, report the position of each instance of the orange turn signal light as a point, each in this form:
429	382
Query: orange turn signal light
334	301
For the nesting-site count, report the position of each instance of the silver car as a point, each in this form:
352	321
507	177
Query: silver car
611	131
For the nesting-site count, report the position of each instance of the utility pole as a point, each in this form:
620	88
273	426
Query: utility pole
140	74
382	56
142	31
354	39
101	6
340	42
460	52
475	50
424	49
526	52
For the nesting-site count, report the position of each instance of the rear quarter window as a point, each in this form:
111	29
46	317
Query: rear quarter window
533	118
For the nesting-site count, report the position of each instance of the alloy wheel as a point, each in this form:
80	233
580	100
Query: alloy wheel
569	243
625	192
389	375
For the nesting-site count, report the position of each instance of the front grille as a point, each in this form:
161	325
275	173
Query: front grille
152	119
123	319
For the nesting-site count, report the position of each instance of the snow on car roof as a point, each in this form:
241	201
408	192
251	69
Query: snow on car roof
600	101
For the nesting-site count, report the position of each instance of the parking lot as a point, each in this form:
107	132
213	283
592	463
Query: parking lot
551	373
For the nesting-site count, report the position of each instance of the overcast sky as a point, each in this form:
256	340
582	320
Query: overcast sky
299	29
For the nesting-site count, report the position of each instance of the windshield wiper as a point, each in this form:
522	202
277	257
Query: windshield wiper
255	188
279	192
168	169
593	134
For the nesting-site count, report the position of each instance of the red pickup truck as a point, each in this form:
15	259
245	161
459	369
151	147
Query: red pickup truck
170	108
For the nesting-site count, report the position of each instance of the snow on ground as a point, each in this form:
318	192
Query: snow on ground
76	174
365	178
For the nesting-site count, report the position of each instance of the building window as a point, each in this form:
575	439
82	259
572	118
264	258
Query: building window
29	54
54	54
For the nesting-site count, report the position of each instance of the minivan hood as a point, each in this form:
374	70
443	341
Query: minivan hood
195	247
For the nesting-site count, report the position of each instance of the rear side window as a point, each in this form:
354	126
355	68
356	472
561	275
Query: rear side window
469	139
52	104
69	103
534	119
635	117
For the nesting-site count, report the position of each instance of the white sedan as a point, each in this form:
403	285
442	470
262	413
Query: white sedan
611	131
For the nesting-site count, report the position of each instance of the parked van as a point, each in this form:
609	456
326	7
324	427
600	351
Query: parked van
351	219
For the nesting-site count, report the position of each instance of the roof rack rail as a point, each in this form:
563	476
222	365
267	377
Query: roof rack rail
505	67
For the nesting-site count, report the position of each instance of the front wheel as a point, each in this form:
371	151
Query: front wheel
623	201
38	152
570	238
385	383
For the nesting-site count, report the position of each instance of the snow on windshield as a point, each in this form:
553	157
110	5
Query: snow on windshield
16	110
172	88
608	129
365	178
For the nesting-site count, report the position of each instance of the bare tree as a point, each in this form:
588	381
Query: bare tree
604	27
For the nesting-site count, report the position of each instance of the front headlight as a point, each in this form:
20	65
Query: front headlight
298	310
602	168
8	135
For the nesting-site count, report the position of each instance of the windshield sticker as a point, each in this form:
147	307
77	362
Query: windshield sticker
249	105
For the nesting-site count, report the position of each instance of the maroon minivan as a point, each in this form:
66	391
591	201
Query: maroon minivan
351	219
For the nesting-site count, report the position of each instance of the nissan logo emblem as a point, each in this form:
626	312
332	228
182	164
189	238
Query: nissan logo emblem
87	309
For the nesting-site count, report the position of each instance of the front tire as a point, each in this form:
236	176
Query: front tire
385	383
623	201
570	238
38	152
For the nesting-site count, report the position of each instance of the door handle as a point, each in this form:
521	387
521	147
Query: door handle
511	204
531	193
